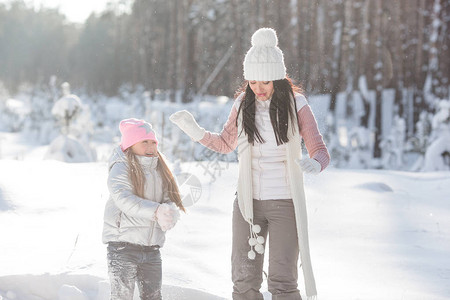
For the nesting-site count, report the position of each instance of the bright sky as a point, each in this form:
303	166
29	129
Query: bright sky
75	10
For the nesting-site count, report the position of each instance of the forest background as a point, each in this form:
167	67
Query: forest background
365	52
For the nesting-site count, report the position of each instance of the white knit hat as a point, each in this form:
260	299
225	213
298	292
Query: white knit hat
264	61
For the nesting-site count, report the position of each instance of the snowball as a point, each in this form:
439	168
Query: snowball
169	210
265	37
167	216
251	254
67	106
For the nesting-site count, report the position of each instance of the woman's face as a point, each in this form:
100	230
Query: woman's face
145	148
263	89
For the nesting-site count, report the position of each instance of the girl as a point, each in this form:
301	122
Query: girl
266	123
139	211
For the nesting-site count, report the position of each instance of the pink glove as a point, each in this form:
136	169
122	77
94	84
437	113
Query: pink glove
167	216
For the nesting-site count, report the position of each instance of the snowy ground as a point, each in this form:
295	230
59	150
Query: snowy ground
373	234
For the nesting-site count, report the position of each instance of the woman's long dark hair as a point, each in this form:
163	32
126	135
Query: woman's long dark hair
279	110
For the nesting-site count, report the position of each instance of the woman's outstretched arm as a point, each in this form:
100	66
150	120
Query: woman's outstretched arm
226	140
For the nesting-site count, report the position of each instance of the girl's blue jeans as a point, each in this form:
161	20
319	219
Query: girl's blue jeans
129	264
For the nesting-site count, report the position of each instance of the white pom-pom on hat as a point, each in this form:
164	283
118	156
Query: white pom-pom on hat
265	37
251	254
264	61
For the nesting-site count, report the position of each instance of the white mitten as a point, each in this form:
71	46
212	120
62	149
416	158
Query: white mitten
309	165
167	216
185	120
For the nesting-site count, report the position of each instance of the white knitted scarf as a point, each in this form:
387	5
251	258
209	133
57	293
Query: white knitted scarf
245	194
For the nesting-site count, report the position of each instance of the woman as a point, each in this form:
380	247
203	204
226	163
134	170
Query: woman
266	123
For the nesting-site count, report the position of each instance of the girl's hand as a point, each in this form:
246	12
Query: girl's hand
309	165
167	216
185	120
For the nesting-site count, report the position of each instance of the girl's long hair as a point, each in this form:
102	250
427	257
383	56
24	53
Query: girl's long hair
137	178
280	110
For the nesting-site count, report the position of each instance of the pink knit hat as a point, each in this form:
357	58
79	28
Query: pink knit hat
134	131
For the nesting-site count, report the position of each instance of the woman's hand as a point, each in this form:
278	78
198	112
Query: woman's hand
309	165
167	216
185	120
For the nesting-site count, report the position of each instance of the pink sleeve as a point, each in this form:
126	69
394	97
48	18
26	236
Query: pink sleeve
226	140
312	137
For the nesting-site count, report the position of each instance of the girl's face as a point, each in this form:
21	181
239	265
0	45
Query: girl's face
145	148
263	89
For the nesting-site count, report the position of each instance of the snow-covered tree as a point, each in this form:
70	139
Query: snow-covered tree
393	146
337	151
40	125
437	156
13	114
441	120
73	143
358	150
421	140
67	108
431	84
